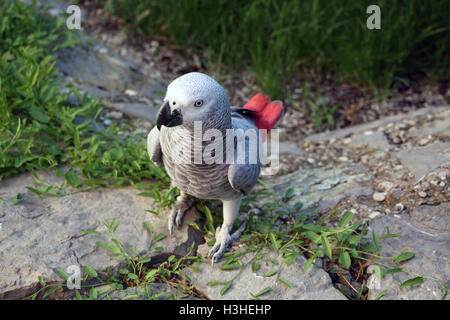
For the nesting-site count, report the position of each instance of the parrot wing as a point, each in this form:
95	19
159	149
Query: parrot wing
242	177
154	147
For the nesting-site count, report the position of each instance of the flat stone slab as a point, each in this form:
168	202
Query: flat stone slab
312	285
38	236
374	125
136	109
95	65
322	188
421	160
426	233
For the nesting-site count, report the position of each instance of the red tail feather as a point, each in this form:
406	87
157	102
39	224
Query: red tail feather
258	102
269	116
268	112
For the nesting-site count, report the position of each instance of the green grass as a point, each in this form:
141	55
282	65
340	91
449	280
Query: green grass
39	129
276	39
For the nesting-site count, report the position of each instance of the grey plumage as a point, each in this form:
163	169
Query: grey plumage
215	181
154	147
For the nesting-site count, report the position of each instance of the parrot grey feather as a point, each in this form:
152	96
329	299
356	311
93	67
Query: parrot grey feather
243	177
204	181
197	98
154	147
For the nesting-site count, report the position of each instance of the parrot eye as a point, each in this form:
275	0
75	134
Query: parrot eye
198	103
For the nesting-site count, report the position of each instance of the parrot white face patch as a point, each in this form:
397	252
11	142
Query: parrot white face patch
194	94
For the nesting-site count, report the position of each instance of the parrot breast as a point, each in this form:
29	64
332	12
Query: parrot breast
203	181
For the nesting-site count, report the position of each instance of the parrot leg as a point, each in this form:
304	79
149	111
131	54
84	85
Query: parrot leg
223	237
179	208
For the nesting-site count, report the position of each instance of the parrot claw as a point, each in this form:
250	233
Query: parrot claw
223	241
179	208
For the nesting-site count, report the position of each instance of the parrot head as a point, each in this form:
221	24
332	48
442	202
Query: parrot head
194	97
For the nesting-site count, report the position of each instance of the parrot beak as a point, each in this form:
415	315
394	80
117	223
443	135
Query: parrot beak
167	118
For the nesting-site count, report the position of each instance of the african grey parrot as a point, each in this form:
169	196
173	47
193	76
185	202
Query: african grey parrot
193	99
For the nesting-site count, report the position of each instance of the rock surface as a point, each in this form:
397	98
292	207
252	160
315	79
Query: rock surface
421	160
96	66
324	187
392	173
159	291
39	236
426	232
312	285
113	79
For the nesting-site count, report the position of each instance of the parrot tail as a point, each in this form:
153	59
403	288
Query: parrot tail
266	113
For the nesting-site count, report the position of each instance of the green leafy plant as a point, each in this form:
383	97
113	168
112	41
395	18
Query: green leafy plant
346	245
137	271
40	129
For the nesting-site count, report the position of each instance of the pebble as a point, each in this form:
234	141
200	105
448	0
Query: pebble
374	214
54	12
365	159
425	185
397	193
379	196
130	92
103	50
422	194
116	115
442	175
396	140
147	125
423	142
343	159
385	186
256	211
399	207
269	171
107	122
440	187
311	160
347	140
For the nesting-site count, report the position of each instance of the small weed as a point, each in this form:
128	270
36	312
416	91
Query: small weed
347	248
137	271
